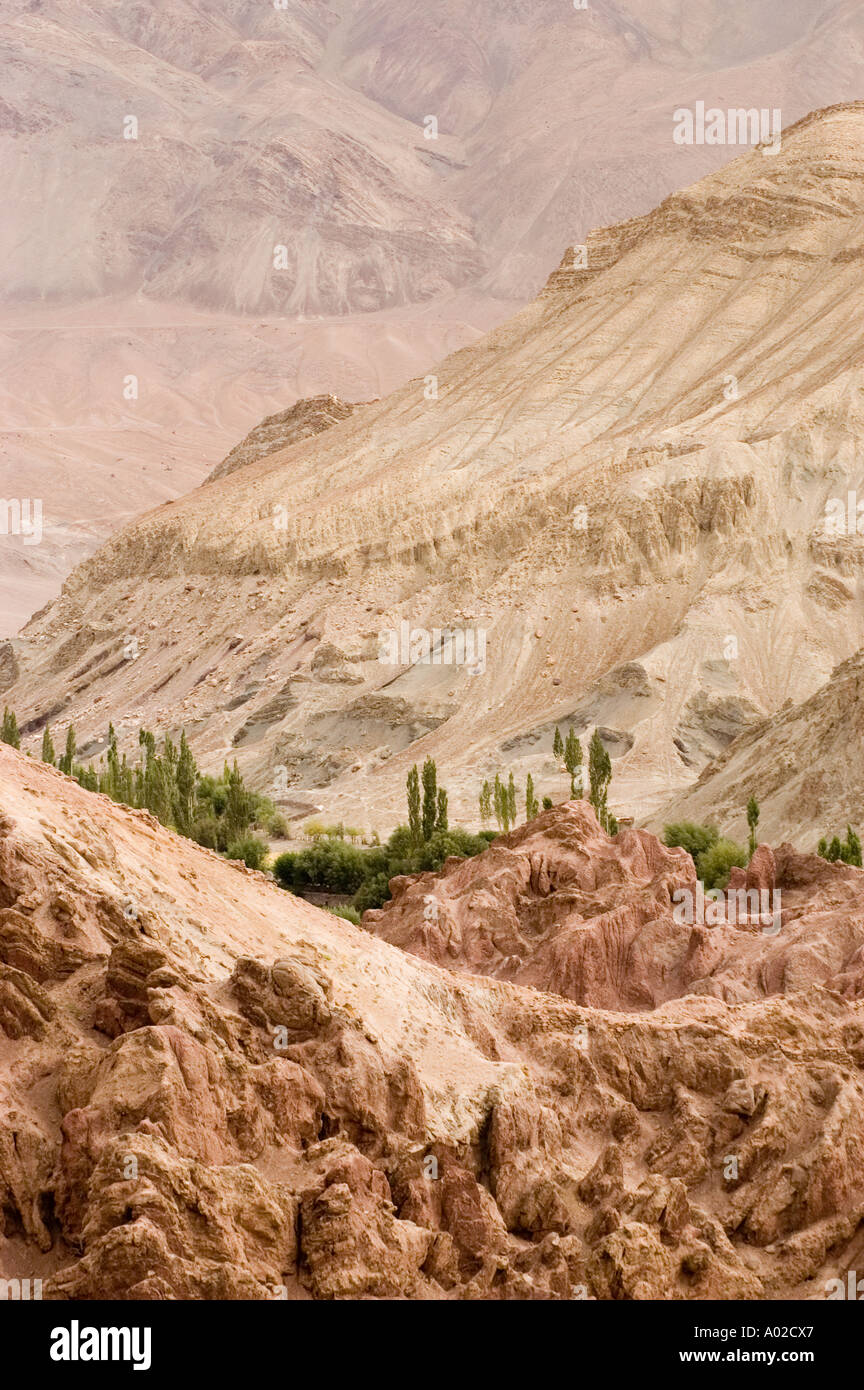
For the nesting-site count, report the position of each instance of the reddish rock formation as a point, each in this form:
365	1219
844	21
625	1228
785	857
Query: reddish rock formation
562	906
210	1089
762	870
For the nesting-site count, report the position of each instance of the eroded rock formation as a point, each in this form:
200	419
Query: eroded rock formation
210	1089
620	923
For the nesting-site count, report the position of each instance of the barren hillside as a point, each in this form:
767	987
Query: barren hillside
237	205
621	493
803	765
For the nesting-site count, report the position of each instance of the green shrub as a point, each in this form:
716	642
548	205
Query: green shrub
335	866
349	913
442	844
713	865
278	826
250	849
686	834
373	893
205	831
330	865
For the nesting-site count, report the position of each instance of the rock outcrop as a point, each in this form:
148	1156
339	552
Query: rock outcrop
303	420
619	922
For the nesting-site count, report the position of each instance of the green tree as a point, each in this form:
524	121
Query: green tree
125	783
185	778
68	758
531	805
238	805
511	800
373	892
155	781
441	822
109	776
501	805
752	822
557	745
599	775
415	820
714	864
853	848
429	778
573	763
485	803
9	731
251	850
328	865
86	777
48	754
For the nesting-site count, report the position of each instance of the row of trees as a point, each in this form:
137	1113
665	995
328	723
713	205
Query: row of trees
427	812
569	752
336	867
218	813
847	851
501	799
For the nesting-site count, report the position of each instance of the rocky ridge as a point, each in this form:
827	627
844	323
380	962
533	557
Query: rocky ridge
303	420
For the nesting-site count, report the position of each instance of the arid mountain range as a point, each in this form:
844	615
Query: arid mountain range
621	495
239	205
212	1090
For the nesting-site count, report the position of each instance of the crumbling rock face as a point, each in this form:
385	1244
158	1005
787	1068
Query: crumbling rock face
287	994
555	904
562	906
218	1092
